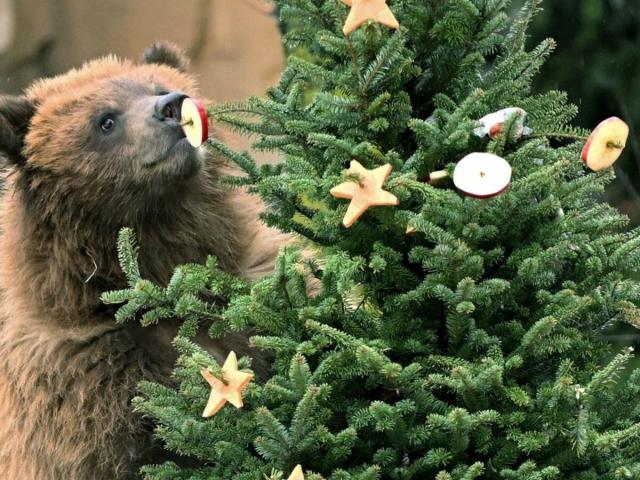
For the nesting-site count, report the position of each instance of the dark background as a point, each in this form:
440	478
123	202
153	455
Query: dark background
597	62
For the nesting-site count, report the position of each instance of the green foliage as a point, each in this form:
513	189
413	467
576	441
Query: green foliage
194	293
473	349
597	63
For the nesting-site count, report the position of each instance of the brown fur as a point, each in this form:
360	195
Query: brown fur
67	371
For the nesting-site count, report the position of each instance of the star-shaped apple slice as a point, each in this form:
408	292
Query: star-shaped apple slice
605	144
193	118
228	391
363	10
367	193
297	473
482	175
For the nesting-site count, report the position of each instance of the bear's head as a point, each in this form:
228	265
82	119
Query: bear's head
106	136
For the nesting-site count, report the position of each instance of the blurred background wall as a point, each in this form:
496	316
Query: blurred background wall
236	52
234	45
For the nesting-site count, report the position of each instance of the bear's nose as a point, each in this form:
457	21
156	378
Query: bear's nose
168	106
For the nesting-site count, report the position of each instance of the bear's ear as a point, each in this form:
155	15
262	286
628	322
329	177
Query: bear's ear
166	53
15	116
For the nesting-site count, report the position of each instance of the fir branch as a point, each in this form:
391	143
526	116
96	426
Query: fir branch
515	40
377	70
128	255
243	160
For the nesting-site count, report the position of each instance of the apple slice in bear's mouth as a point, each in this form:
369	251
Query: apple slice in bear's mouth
193	118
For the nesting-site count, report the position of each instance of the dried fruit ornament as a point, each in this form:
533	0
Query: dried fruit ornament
482	175
228	391
605	144
363	10
367	193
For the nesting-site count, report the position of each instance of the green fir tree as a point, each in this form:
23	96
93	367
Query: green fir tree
474	349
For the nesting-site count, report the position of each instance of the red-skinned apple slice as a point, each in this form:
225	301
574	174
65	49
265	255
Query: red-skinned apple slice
605	144
492	123
193	117
482	175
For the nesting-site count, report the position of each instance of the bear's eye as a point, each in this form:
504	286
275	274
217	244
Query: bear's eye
107	123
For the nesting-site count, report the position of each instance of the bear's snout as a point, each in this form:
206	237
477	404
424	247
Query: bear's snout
167	107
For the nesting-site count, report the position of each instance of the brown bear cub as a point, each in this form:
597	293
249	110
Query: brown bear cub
90	152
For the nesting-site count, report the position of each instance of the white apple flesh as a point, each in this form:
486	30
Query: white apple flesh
193	118
605	144
482	175
492	123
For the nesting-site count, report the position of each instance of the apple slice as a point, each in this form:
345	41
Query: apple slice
482	175
605	144
435	177
493	122
193	118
